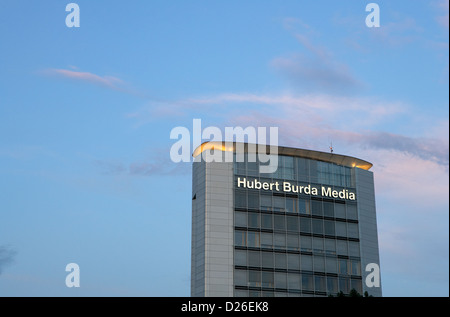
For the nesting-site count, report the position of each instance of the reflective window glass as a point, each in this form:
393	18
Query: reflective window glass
240	219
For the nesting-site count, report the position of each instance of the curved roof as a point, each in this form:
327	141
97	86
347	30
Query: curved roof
338	159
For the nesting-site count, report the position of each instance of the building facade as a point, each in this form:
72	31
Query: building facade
307	229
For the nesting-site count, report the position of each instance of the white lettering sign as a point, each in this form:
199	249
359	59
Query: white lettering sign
288	187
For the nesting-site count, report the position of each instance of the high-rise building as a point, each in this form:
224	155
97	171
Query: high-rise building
307	229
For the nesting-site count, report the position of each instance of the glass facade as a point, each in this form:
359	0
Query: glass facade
289	244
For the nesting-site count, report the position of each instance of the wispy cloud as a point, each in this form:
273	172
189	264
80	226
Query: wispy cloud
368	110
313	73
443	17
308	120
7	256
320	130
158	164
324	110
110	82
397	33
314	68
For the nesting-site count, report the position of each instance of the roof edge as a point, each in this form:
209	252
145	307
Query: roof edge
239	147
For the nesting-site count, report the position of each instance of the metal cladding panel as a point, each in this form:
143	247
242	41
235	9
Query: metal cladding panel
367	219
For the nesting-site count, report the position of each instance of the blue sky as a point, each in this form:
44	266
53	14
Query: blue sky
86	114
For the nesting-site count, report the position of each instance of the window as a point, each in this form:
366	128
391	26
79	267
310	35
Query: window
313	172
329	227
316	208
292	205
266	202
328	209
278	222
318	244
253	239
319	282
323	172
253	293
307	282
305	225
292	242
303	168
254	220
341	229
279	241
330	246
279	204
317	226
331	264
352	212
339	210
294	281
252	169
356	267
288	169
240	199
306	262
240	219
319	263
293	261
266	240
280	280
332	285
254	258
240	277
240	293
306	243
240	257
267	279
303	206
267	259
356	284
344	285
254	278
343	266
341	247
253	200
292	223
266	221
280	261
353	230
240	238
267	293
239	167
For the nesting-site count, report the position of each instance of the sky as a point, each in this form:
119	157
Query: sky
86	114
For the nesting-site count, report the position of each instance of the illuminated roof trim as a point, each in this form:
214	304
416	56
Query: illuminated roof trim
338	159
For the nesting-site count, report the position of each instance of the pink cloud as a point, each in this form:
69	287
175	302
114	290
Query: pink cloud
405	177
110	82
315	67
443	19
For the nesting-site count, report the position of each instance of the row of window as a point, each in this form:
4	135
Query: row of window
295	224
295	243
297	262
247	199
239	292
296	168
295	282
